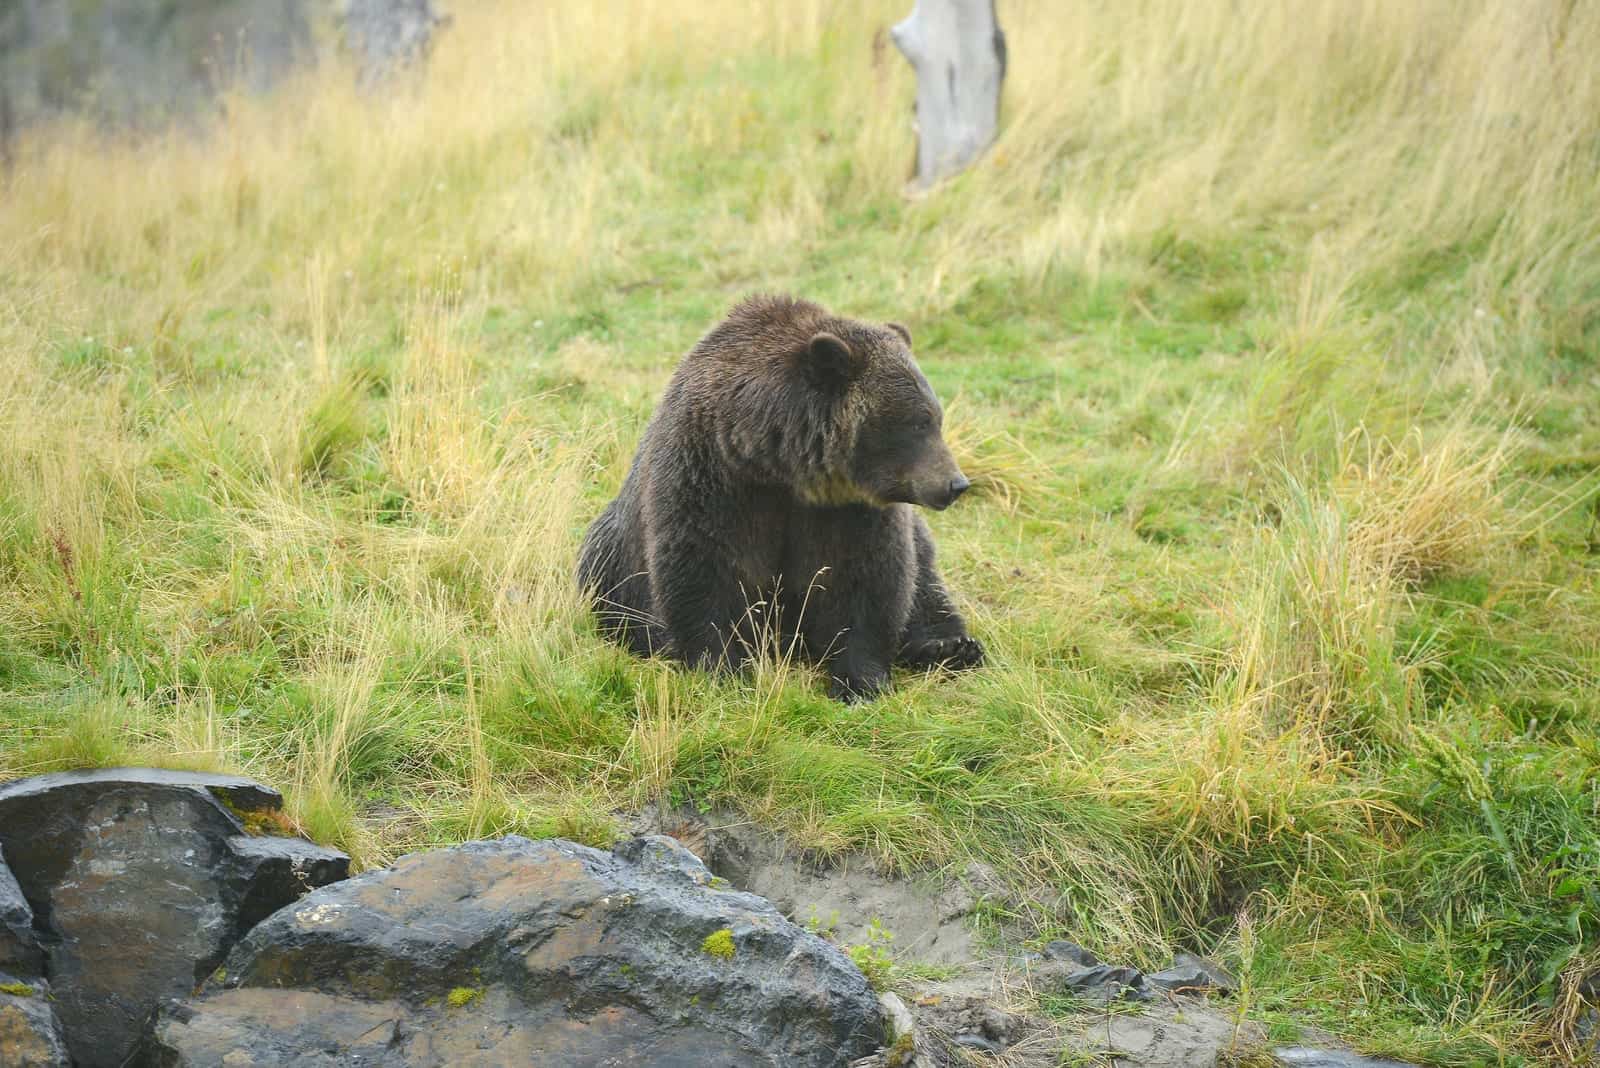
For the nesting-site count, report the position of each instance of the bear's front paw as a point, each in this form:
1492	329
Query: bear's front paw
952	654
964	654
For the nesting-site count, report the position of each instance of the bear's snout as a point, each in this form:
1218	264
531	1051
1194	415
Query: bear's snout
952	489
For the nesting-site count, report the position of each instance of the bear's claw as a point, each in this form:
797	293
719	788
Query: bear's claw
952	654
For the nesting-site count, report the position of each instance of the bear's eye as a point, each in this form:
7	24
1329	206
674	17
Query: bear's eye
925	421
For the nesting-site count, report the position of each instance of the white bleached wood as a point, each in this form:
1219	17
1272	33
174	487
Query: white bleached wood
958	52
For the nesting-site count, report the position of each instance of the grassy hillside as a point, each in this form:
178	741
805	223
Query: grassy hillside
1270	334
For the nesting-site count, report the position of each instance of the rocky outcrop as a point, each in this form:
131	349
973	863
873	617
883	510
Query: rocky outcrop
30	1034
19	947
123	61
1190	974
140	881
515	951
386	36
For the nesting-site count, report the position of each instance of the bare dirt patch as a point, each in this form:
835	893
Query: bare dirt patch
972	998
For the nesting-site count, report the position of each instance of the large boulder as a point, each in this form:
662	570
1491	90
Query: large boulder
30	1034
523	952
120	60
19	946
140	882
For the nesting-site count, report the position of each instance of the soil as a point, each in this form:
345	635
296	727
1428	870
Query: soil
983	1007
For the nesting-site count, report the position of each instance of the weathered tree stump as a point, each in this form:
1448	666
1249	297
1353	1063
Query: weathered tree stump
958	52
386	36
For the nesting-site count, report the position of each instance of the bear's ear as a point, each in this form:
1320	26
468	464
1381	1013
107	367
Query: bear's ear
899	328
830	362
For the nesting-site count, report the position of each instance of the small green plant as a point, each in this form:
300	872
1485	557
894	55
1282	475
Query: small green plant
17	990
873	956
719	944
817	926
463	996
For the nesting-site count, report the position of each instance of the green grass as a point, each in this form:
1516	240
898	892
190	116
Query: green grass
1270	341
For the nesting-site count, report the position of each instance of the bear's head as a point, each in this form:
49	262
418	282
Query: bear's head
888	447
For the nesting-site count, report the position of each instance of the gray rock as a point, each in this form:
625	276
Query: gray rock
1586	1033
19	949
897	1016
973	1040
1305	1057
121	61
1070	952
140	882
386	36
1099	982
522	952
1191	973
30	1034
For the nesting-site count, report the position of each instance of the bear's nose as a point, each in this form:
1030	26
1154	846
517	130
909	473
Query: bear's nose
958	486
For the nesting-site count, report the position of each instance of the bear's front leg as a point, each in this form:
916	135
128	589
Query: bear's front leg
856	682
696	594
865	568
936	635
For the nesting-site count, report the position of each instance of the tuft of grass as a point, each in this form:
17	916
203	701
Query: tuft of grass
874	957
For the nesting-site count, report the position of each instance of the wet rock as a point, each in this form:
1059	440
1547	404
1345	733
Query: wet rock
935	1033
1191	974
1305	1057
19	949
514	951
897	1016
30	1034
140	882
1099	982
1070	952
983	1043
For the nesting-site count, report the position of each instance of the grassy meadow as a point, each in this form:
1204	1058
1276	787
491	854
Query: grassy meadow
1269	334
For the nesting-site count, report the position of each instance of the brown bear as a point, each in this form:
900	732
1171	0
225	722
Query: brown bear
771	496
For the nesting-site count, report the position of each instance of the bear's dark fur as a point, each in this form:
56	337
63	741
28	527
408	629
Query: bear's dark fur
771	496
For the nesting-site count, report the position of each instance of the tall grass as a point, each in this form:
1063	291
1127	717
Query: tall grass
1268	333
